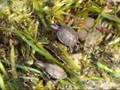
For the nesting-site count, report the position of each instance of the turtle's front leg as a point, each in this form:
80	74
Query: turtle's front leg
71	49
77	47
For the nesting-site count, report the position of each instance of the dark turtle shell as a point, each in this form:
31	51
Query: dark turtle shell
66	35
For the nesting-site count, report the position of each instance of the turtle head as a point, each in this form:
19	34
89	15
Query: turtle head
55	26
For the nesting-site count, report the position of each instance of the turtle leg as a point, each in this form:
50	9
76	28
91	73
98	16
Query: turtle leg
76	47
71	49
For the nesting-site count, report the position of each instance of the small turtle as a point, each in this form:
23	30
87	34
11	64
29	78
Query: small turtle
67	36
53	70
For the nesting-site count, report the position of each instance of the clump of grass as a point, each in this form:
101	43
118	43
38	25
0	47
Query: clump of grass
24	22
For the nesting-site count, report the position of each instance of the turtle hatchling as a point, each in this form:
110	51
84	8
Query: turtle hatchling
54	71
67	36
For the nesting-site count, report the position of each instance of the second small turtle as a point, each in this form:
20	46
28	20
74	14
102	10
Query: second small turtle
67	36
53	70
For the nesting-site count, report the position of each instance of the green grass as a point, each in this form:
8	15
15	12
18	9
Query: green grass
25	31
